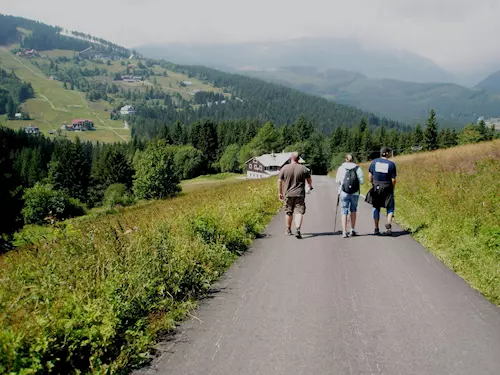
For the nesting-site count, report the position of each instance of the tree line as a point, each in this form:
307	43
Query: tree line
13	92
45	179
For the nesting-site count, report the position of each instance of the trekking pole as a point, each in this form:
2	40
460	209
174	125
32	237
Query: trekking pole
336	214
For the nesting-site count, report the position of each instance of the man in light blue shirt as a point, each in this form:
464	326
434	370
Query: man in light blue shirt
349	178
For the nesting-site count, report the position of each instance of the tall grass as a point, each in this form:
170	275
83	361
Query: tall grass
93	297
450	200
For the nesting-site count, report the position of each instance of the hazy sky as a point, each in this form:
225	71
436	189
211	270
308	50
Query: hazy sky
457	34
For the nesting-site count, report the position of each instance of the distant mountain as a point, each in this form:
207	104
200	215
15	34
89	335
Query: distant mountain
403	101
490	83
322	53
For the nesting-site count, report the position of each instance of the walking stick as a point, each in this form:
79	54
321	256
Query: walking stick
336	214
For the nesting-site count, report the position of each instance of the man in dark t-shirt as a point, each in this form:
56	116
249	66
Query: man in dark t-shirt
382	174
292	189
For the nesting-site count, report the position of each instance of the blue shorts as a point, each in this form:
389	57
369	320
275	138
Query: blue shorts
390	210
349	202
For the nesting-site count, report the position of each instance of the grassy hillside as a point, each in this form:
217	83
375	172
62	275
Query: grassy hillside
116	281
450	200
55	105
404	101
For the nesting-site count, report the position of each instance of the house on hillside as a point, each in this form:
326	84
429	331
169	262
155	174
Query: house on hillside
127	110
268	165
31	129
128	78
80	125
87	53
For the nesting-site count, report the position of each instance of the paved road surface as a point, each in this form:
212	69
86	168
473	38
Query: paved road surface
328	305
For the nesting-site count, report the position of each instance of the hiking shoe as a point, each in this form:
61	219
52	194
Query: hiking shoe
345	234
376	232
289	232
297	234
354	233
389	229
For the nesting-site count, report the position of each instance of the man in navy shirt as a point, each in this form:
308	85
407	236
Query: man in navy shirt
382	175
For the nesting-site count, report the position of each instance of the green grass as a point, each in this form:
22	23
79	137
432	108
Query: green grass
54	105
450	201
95	295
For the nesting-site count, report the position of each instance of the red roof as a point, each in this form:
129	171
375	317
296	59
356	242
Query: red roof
77	121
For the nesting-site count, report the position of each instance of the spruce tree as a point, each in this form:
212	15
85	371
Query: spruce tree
431	132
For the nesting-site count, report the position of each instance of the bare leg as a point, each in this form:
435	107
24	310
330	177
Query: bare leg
353	220
344	223
376	223
389	218
289	219
298	221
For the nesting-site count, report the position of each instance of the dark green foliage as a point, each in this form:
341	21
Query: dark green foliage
118	194
43	204
229	159
70	169
188	162
13	91
431	132
156	176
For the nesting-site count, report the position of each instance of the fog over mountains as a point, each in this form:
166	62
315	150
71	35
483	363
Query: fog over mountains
322	53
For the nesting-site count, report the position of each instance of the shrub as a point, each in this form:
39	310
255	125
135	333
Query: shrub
156	176
44	204
118	194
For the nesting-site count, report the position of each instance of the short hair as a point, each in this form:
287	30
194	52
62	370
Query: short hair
295	156
385	151
349	158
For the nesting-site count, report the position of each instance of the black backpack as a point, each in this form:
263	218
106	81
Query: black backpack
350	185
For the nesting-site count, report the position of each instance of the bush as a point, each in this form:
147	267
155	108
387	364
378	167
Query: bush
117	194
43	204
156	176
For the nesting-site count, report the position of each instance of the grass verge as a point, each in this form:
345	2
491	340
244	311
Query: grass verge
450	201
93	297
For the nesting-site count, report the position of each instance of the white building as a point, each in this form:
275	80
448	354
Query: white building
268	165
127	110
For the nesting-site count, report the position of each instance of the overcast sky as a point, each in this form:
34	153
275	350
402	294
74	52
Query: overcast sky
457	34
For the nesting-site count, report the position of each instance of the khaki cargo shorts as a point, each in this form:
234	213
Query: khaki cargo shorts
295	204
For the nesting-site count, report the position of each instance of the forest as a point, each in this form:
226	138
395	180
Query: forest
46	180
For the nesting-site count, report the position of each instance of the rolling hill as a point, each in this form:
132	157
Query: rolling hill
75	75
404	101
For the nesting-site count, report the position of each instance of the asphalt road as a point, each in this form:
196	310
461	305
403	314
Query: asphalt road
328	305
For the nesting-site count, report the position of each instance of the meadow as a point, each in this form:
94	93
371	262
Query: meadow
450	201
94	295
53	105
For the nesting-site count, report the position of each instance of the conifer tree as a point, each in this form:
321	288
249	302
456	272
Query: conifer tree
431	132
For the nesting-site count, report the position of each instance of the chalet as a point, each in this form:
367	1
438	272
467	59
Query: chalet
127	110
18	116
80	125
268	165
32	129
187	83
128	78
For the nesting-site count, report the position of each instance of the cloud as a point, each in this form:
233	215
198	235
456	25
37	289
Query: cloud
458	34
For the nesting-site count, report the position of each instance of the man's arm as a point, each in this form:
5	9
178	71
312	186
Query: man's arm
280	188
361	177
370	177
309	181
394	174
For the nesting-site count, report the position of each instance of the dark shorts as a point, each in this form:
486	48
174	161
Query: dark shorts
295	204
